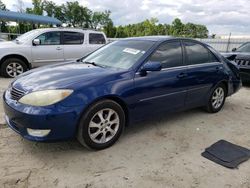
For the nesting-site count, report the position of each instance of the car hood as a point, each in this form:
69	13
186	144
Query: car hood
64	75
8	44
238	54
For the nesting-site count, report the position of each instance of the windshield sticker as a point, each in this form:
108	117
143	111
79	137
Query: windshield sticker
131	51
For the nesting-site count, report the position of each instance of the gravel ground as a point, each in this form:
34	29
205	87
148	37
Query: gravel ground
159	153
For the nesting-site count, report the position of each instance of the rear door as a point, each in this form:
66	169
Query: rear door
50	49
73	45
95	41
163	90
204	71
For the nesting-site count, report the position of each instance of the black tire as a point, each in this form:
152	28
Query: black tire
84	130
20	64
212	108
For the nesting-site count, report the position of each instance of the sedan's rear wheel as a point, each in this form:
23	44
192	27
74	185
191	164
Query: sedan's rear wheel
102	125
217	99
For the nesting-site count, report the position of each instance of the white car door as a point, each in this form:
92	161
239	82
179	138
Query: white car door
95	41
73	45
50	50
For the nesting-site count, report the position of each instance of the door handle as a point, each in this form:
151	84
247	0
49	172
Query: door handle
218	69
58	48
182	75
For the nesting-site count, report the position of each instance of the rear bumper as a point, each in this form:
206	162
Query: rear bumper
61	121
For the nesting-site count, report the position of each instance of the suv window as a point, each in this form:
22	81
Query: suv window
169	54
50	38
73	38
198	54
95	38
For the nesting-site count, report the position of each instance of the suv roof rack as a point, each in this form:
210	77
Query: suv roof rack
78	28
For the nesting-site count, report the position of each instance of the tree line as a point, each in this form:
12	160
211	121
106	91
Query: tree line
75	15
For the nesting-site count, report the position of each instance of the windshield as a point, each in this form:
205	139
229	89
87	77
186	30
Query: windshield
25	36
119	54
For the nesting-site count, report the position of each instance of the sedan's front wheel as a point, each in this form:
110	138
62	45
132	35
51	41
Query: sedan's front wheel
102	124
217	99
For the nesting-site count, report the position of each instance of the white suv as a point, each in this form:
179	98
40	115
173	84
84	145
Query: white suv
45	46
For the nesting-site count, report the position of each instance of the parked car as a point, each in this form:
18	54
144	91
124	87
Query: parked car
123	82
2	40
46	46
241	56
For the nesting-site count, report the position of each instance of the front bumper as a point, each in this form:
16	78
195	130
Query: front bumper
61	121
245	74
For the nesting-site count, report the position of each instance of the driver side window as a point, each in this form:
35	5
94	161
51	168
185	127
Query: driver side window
50	38
169	54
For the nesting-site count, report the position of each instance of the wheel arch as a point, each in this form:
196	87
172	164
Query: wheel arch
114	98
24	59
225	83
122	103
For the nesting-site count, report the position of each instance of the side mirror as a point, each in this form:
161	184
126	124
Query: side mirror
234	49
36	42
151	66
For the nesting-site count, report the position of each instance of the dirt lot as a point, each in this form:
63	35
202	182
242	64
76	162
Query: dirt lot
160	153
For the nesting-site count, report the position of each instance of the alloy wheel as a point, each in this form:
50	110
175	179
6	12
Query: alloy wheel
218	97
14	69
103	126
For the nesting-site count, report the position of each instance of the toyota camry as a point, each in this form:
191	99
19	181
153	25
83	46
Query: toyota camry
94	98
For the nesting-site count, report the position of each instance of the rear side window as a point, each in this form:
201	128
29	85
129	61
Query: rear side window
198	54
73	38
169	54
96	38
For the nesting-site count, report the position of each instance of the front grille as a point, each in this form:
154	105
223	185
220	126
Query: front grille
242	62
16	94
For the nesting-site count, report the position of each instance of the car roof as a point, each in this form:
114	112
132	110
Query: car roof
68	29
160	38
151	38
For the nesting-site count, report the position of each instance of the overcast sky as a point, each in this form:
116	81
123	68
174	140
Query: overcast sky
221	17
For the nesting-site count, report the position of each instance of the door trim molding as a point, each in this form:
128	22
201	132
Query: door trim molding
160	96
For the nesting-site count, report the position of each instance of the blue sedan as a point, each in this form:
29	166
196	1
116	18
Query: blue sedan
95	97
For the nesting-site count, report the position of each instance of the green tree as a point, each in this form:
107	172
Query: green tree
110	30
37	7
152	27
2	6
177	28
100	19
3	27
49	7
74	13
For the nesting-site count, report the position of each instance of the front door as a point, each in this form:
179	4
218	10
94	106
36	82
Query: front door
163	90
50	49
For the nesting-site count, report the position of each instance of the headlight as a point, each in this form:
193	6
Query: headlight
45	98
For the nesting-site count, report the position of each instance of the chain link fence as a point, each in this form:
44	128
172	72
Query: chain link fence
221	45
224	45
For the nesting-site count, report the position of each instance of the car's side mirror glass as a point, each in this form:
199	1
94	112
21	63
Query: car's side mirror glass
151	66
36	42
234	49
